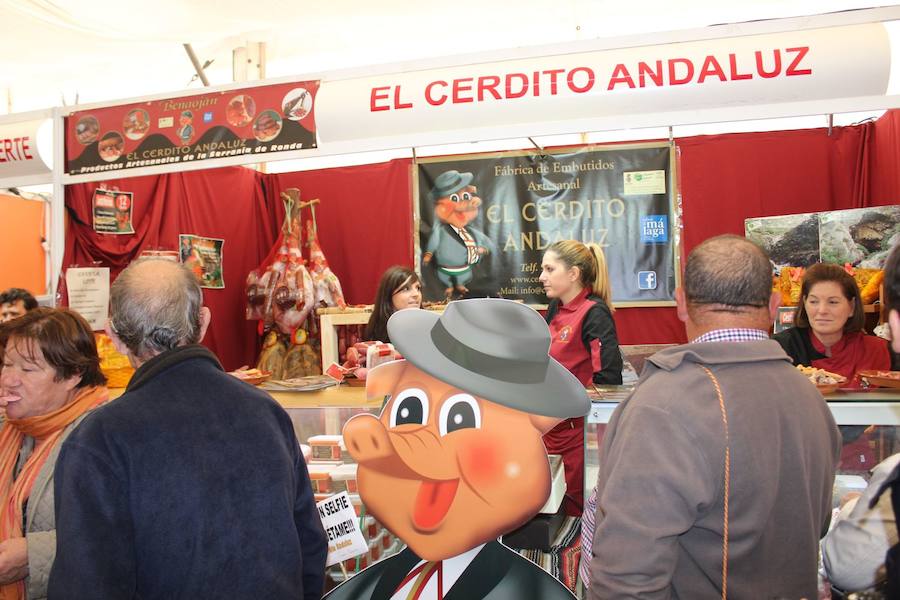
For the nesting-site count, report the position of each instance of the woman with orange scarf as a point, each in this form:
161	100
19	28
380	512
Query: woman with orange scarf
50	379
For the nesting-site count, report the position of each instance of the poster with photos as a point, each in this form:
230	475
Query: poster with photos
203	256
112	211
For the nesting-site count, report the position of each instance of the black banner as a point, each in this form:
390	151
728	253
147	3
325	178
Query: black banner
486	221
258	120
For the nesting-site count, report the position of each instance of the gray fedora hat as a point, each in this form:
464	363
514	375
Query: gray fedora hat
448	182
493	348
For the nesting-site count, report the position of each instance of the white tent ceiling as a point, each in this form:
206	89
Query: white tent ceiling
87	51
100	50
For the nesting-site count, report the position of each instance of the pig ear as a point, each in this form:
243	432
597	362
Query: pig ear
544	424
381	380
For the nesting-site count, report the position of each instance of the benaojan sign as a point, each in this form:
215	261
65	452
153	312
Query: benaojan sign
772	68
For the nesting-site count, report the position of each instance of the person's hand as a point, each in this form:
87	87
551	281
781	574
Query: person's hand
481	250
13	560
426	258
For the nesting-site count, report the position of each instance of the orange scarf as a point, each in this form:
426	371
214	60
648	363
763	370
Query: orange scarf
46	429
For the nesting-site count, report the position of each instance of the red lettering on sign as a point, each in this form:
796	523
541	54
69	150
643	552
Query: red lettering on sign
462	85
620	75
12	149
488	83
397	103
435	101
644	71
711	67
583	88
761	69
735	76
376	95
792	69
673	78
523	81
553	73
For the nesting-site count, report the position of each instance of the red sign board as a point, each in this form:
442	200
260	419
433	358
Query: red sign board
258	120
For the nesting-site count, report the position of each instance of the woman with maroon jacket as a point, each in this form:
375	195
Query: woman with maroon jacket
583	339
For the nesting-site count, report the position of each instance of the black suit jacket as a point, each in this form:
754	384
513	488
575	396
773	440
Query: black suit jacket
496	573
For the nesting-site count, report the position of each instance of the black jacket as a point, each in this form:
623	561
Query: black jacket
496	573
191	485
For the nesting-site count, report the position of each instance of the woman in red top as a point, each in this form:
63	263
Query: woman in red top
828	327
583	339
828	334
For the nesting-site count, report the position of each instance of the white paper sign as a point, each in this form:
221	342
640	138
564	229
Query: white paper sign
345	540
88	290
644	182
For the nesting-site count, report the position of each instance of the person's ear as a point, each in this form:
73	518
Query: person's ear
894	326
120	346
205	318
681	308
774	303
574	274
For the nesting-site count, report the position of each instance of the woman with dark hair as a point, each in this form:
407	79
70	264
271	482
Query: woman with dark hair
828	327
399	288
50	379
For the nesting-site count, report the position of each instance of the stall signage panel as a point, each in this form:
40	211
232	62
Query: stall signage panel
341	524
486	222
19	156
88	290
836	62
258	121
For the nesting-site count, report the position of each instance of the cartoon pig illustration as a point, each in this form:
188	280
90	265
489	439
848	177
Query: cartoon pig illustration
456	458
454	246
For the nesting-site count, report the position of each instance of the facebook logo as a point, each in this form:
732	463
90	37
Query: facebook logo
646	280
655	229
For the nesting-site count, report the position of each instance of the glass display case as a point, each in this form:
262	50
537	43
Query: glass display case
869	421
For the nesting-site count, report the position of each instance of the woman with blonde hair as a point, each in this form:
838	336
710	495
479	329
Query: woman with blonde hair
583	339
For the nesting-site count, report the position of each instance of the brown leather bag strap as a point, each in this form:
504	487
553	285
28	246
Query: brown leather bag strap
715	383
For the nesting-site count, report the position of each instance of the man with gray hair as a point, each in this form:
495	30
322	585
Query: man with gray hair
191	485
716	473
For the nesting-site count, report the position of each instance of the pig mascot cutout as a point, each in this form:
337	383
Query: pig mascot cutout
455	247
456	458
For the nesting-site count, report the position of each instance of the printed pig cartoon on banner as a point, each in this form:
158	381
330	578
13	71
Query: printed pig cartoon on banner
456	458
455	246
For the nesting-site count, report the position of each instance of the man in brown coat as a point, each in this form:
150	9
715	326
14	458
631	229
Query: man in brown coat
721	435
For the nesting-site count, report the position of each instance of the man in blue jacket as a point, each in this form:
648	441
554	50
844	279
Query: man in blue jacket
191	485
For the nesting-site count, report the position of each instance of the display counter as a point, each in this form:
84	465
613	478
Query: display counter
317	412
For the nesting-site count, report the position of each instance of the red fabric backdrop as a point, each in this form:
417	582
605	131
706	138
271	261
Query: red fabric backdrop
364	219
222	203
365	215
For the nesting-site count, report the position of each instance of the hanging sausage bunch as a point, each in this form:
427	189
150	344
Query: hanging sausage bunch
283	291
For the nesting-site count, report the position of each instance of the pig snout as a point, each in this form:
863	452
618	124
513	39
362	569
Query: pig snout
411	455
367	439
